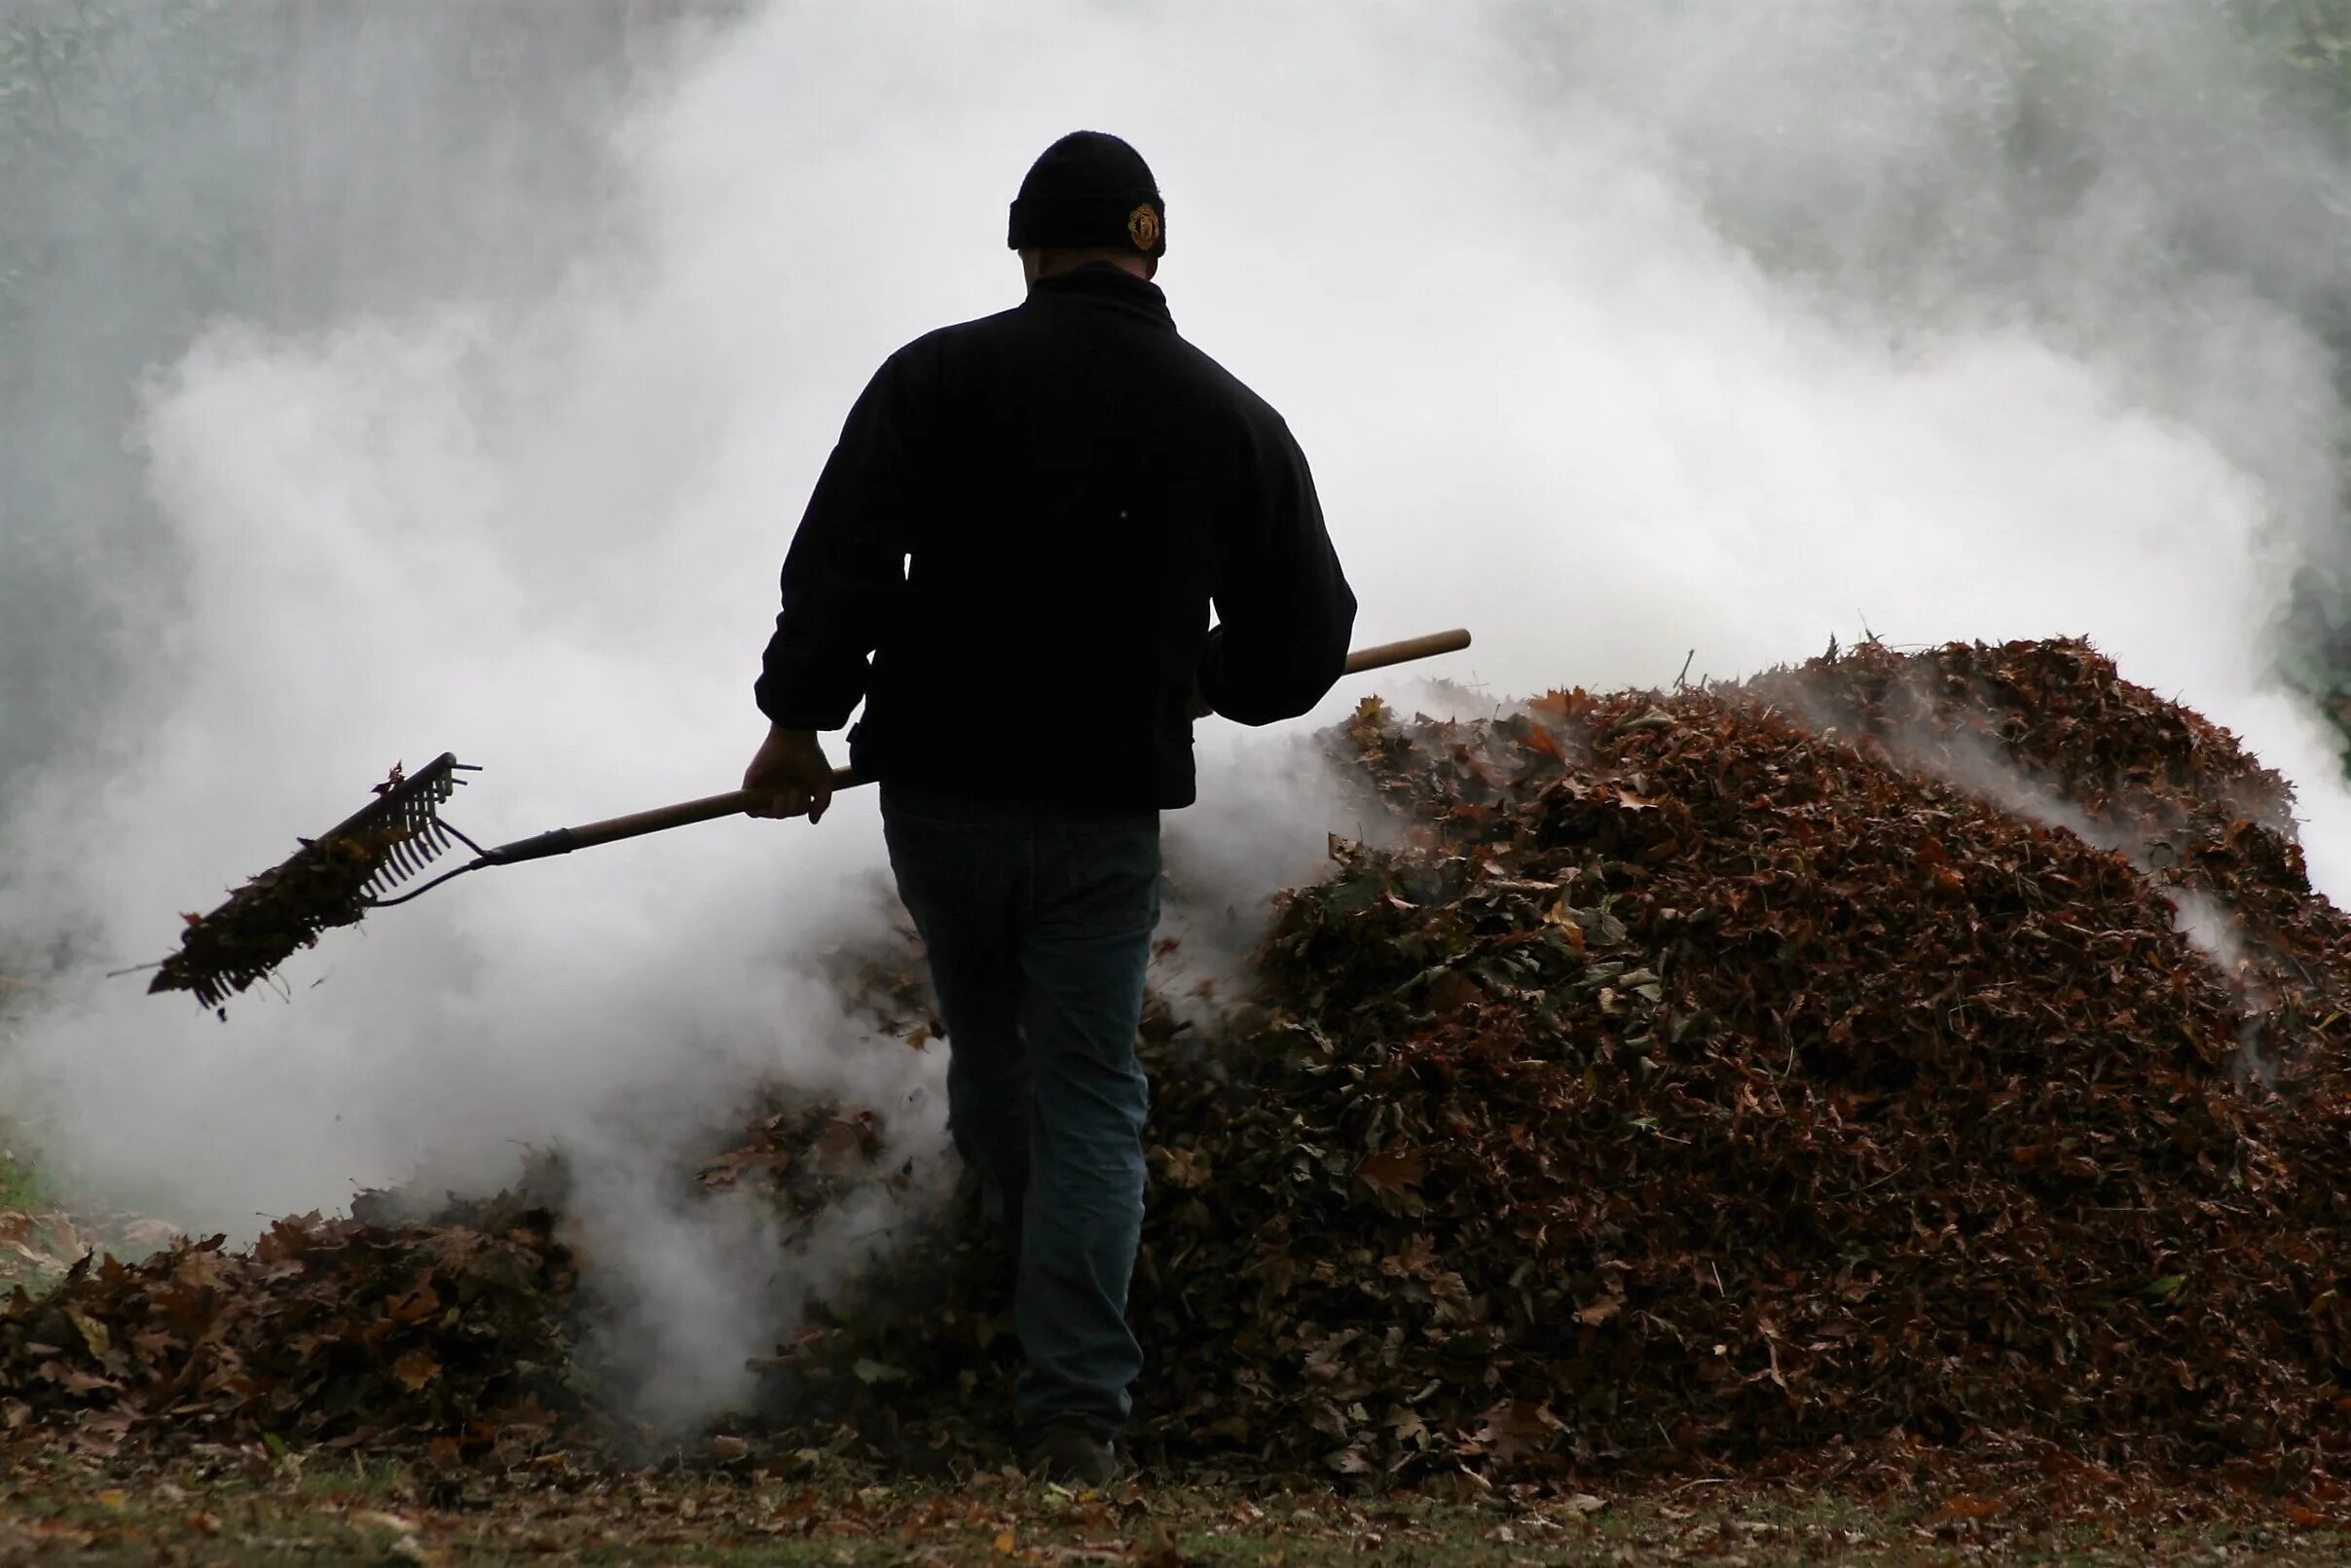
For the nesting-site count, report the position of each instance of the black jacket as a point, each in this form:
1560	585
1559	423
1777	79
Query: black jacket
1024	525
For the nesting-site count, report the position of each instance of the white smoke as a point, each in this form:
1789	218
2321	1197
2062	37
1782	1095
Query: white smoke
1613	331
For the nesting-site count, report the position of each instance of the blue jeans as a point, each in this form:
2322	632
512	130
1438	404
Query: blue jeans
1039	923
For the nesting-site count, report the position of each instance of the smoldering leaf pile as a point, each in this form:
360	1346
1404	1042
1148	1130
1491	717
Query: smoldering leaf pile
1713	1078
1704	1087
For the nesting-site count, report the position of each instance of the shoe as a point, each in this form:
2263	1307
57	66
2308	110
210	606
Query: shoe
1069	1452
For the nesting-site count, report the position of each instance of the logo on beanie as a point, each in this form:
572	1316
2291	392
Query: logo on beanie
1143	227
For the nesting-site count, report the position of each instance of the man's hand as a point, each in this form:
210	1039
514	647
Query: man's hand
791	768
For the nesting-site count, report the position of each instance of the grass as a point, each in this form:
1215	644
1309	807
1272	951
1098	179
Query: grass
19	1184
20	1187
43	1232
20	1193
255	1509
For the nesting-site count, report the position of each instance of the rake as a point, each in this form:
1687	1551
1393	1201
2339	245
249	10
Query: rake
354	867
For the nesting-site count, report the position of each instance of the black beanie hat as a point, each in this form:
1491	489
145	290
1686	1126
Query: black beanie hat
1090	189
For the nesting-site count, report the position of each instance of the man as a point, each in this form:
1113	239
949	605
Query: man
1010	558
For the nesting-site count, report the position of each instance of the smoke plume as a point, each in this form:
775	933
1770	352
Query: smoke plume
1616	332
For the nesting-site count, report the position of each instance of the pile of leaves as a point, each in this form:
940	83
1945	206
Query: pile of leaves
1713	1079
2050	731
342	1333
1941	1048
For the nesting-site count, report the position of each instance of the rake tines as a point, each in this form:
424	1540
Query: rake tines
330	881
409	810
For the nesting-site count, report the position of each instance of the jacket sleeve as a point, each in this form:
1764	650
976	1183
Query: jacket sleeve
1284	611
845	575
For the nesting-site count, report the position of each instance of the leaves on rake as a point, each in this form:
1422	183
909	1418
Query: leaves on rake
273	916
328	882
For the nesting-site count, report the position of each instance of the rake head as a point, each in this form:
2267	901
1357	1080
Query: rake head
332	880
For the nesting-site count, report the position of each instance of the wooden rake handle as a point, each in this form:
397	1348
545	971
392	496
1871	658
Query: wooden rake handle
564	840
1381	655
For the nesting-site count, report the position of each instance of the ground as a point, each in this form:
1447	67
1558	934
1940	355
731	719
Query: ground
262	1507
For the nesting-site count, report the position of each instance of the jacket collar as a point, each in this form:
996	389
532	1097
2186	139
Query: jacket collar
1101	284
